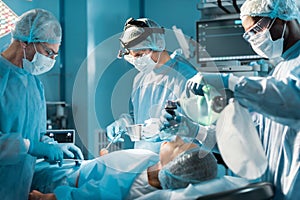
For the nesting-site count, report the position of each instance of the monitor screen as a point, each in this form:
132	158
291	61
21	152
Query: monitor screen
222	40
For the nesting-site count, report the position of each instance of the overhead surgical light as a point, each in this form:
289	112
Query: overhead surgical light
7	19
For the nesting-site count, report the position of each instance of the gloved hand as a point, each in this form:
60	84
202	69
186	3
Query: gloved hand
195	85
115	130
217	80
51	152
70	149
180	123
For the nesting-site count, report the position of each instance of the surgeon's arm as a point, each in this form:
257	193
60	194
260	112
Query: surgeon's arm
278	99
12	148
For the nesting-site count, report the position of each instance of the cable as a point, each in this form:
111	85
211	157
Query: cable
222	7
237	9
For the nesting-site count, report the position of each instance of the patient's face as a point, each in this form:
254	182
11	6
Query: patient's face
169	150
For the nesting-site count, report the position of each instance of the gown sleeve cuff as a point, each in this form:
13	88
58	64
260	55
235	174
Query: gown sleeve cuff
233	80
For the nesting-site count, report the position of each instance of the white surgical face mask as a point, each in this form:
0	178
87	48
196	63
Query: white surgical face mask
264	46
144	63
40	63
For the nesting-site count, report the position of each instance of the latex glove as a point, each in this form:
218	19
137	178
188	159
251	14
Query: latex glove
71	150
51	152
115	130
217	80
185	126
195	85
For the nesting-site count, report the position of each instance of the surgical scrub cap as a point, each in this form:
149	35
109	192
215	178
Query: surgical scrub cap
193	166
135	29
37	25
283	9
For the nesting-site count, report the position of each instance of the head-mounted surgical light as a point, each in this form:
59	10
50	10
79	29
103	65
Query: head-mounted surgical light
135	32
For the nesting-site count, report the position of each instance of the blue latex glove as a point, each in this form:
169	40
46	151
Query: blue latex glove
51	152
71	150
179	124
114	132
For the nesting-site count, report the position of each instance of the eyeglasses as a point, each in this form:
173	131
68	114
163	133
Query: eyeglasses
49	51
262	24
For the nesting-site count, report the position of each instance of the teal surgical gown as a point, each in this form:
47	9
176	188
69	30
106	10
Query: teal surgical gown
107	177
277	99
152	90
22	116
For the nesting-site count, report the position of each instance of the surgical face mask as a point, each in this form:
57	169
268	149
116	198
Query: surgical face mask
264	46
144	63
40	63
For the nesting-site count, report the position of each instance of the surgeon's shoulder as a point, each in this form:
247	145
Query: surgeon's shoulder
4	68
4	74
185	68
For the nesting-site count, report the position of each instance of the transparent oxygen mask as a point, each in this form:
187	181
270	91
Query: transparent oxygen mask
203	109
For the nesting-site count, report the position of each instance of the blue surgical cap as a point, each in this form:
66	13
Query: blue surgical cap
283	9
193	166
155	41
37	25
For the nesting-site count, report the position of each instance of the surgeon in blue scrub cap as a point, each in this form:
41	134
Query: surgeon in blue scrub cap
160	78
36	38
272	28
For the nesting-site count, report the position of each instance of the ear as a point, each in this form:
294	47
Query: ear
23	44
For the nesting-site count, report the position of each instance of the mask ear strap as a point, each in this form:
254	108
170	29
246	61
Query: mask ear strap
158	57
24	53
272	23
24	45
34	47
284	27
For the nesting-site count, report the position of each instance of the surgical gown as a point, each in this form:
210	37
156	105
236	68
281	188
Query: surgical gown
108	177
22	116
152	90
277	99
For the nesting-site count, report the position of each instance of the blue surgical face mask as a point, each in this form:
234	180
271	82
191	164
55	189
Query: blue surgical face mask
40	63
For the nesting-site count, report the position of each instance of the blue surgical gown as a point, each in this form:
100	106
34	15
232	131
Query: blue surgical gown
22	116
151	91
277	99
106	177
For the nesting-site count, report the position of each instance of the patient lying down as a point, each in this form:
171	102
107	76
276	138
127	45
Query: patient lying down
128	174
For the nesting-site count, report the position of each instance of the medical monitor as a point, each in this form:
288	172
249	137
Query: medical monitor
222	40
